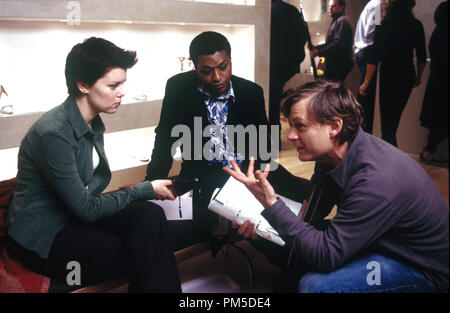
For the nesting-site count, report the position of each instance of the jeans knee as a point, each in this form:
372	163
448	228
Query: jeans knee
311	283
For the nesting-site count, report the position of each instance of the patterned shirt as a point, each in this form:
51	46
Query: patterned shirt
222	149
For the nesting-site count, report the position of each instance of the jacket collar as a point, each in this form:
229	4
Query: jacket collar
346	168
77	121
337	16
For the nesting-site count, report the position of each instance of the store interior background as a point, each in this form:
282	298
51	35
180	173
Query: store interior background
36	35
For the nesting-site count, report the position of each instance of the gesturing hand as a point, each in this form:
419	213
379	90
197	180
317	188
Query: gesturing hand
256	182
164	189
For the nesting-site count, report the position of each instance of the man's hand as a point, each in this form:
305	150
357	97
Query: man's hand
313	53
164	189
256	182
247	229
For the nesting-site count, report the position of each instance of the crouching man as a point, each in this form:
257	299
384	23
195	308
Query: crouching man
390	232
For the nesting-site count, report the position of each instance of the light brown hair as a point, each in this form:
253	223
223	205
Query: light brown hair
329	101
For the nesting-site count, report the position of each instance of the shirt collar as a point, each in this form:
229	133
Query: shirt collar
78	123
224	97
337	16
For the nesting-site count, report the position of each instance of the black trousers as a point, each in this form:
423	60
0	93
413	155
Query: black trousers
133	243
394	95
278	79
435	137
338	73
277	82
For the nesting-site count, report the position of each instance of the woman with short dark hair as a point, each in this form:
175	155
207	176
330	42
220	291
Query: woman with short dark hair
59	214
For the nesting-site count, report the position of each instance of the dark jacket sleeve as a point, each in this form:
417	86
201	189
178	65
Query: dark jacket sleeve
420	44
337	45
299	31
260	119
375	51
161	159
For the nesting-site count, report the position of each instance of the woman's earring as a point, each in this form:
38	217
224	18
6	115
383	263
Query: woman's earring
5	106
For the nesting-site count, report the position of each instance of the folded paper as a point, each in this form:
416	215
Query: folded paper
236	203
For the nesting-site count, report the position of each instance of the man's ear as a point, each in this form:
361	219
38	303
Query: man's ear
336	128
83	88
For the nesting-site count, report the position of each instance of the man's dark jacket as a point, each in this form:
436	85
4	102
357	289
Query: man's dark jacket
338	49
181	104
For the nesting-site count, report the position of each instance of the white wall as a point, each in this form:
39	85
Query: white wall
32	57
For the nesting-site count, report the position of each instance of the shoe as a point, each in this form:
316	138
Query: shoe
433	158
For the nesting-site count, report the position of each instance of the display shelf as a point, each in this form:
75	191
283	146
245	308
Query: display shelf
124	150
34	78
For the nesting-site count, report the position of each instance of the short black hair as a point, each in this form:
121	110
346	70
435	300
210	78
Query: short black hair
90	60
329	101
208	43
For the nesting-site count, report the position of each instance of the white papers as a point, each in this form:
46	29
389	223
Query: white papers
236	203
177	210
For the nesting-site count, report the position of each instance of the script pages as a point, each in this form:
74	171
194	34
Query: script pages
179	209
236	203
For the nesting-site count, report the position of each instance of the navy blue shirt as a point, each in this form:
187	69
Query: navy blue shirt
388	204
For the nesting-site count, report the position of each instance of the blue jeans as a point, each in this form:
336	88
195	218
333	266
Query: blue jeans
372	273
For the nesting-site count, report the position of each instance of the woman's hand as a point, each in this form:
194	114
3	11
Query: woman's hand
256	182
417	82
164	189
370	71
363	88
313	53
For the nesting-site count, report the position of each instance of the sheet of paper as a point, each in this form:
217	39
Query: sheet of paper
236	203
172	207
235	194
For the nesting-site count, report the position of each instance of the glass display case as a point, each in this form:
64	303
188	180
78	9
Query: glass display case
36	36
33	57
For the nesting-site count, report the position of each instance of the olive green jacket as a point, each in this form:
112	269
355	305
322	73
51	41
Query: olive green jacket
56	181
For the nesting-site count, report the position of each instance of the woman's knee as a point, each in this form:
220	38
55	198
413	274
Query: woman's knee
146	211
